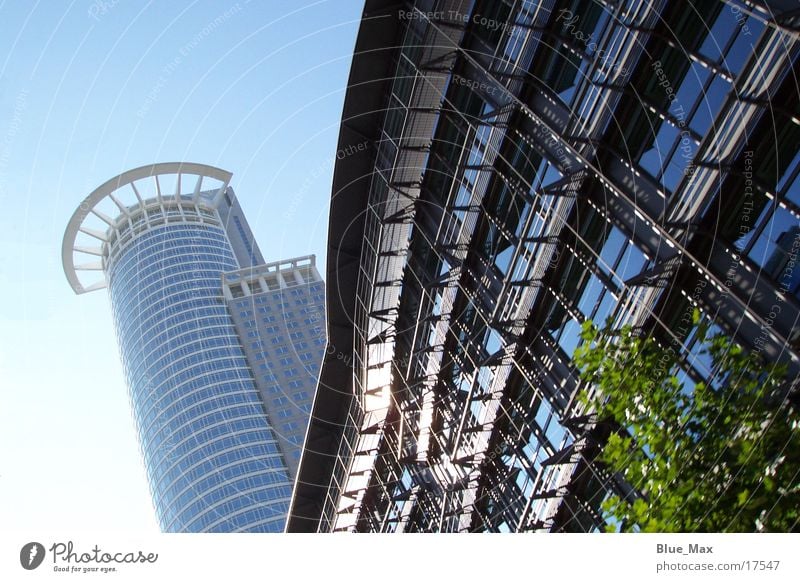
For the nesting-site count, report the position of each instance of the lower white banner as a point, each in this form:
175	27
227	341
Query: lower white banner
82	557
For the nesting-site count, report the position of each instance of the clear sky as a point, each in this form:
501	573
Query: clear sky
89	89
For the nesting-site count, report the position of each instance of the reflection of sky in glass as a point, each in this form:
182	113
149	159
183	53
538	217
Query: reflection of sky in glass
765	245
210	456
793	192
570	336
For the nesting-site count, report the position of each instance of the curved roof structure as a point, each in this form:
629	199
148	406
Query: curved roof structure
371	76
129	187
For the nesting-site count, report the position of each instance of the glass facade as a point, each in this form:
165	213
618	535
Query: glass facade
522	181
217	450
212	460
279	309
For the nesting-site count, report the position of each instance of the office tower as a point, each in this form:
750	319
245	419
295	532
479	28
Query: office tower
533	165
188	287
279	315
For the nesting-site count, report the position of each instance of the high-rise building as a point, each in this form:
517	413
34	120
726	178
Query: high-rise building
535	164
220	349
278	311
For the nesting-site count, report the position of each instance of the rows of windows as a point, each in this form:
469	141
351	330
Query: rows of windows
155	358
545	255
270	469
179	406
248	430
236	516
162	436
253	520
199	415
224	453
239	483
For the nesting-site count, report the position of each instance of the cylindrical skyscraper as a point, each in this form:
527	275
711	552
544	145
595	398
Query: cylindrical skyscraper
212	458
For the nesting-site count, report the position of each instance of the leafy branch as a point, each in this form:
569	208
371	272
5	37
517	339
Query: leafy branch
713	457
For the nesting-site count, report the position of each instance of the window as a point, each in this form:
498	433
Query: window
631	262
611	249
723	29
657	153
776	247
558	69
710	103
570	337
591	295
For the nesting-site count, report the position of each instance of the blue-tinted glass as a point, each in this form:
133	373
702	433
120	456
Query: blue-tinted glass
655	158
610	252
710	105
722	30
590	296
208	450
570	337
766	249
744	45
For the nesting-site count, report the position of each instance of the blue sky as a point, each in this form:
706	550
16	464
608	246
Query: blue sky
91	89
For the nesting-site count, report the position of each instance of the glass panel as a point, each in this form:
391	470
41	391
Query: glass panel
772	243
710	105
610	252
655	156
590	296
570	337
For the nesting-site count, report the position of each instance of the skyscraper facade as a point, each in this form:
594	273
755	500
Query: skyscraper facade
167	240
278	311
534	165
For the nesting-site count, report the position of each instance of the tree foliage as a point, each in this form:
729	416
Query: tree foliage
721	457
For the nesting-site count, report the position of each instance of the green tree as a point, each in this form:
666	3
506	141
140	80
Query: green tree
707	459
